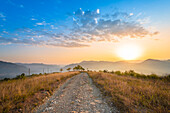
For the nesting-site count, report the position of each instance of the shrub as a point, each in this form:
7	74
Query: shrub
118	72
6	79
105	71
131	73
100	71
112	72
22	76
153	76
134	74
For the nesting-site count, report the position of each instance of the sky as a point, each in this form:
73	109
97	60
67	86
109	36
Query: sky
69	31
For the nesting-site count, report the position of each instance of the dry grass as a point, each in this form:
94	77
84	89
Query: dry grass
22	95
131	94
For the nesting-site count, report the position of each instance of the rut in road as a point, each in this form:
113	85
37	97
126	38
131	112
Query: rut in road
78	94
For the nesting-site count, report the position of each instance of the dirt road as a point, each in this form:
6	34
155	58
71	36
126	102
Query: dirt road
77	95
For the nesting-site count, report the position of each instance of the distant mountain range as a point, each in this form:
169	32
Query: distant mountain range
160	67
10	70
40	67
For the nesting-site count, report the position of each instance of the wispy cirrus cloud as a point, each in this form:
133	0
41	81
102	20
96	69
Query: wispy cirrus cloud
86	27
2	16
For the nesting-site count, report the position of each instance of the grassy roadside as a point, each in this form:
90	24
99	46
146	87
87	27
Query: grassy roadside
132	94
22	95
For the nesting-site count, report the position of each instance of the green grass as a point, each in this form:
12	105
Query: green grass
134	94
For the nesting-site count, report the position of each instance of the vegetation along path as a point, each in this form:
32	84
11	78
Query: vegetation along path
77	95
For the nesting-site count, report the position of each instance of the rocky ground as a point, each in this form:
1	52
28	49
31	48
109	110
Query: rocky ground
77	95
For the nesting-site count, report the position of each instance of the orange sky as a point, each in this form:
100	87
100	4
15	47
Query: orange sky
103	51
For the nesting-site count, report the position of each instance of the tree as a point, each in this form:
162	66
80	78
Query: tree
78	68
118	72
22	76
61	69
6	79
68	69
105	71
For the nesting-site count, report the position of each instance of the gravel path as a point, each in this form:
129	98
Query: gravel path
77	95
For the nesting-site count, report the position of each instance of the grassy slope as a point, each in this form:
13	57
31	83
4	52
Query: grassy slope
22	95
133	94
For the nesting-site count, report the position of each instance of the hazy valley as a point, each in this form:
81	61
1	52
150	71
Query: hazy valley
159	67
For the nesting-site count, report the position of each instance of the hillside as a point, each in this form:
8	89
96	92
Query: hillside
23	95
132	94
40	67
10	70
160	67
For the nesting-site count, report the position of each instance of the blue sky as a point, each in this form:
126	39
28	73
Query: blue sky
75	23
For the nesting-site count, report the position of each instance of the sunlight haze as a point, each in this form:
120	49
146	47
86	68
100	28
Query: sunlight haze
99	32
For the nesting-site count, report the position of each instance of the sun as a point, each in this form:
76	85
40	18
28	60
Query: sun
129	52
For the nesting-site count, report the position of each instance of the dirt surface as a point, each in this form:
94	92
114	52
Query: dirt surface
77	95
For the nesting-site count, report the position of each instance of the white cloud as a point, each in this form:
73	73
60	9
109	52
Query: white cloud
53	27
88	26
131	14
98	11
39	23
5	32
95	19
2	16
33	19
145	20
42	23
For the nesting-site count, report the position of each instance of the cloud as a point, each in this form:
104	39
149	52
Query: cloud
108	27
2	16
87	27
68	44
53	27
131	14
33	19
41	23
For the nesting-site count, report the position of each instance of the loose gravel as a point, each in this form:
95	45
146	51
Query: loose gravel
77	95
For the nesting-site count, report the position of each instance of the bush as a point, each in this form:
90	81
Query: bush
118	72
100	71
105	71
166	78
134	74
22	76
6	79
112	72
153	76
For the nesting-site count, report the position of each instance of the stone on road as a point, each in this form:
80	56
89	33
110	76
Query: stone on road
77	95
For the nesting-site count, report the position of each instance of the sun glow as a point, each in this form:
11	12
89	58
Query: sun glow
129	52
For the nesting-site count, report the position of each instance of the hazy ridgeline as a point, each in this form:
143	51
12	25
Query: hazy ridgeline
11	70
22	95
150	66
132	94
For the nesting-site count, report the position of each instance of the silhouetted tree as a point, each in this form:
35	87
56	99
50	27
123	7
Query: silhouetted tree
68	69
105	71
61	69
22	76
78	68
